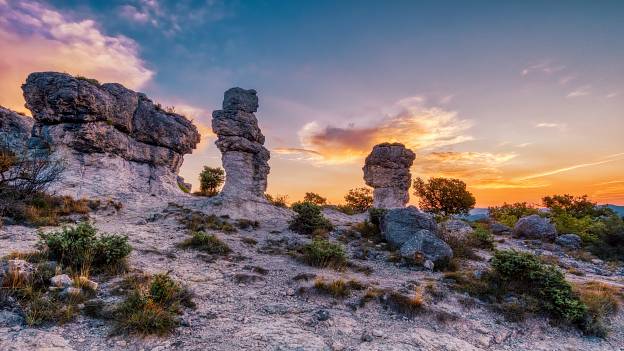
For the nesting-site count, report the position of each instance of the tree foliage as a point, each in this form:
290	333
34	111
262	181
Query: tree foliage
210	180
577	206
359	199
444	196
315	199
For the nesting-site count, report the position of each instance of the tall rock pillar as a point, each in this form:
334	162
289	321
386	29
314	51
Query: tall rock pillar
386	170
240	141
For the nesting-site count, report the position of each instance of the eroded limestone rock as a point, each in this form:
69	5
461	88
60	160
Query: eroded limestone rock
112	140
240	141
15	129
386	170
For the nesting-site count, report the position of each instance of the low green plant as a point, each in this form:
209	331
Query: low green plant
323	253
81	246
152	306
482	237
309	219
209	243
200	222
277	200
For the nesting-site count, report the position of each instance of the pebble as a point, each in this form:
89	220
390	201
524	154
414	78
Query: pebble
378	333
290	292
322	315
366	337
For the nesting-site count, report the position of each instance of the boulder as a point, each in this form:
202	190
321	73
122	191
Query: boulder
240	141
454	230
570	241
425	246
15	129
398	225
61	281
535	227
386	170
111	139
499	229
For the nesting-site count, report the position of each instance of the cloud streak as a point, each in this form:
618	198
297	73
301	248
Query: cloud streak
608	159
36	37
409	121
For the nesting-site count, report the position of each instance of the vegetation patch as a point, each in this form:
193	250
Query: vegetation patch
196	221
210	180
81	248
277	200
152	306
509	214
323	253
404	304
338	288
208	243
309	219
602	301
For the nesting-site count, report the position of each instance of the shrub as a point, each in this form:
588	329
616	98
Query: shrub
315	199
609	238
338	288
567	223
200	222
209	243
323	253
359	199
482	237
210	179
152	306
444	196
508	214
277	200
578	207
309	219
524	273
80	247
602	301
247	223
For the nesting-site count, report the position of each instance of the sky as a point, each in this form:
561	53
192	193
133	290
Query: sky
518	99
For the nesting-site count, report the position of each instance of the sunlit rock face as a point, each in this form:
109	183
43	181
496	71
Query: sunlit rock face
386	170
112	140
240	141
15	129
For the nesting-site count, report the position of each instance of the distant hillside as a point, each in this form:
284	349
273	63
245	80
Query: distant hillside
618	209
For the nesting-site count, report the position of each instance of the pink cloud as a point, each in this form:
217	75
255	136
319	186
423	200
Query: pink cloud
36	37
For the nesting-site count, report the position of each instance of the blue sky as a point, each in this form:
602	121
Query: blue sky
496	93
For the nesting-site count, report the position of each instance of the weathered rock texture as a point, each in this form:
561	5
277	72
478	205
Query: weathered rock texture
386	169
113	140
15	129
240	141
535	227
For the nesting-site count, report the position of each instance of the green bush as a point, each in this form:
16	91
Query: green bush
315	199
152	306
576	206
80	247
210	179
359	199
309	219
482	237
209	243
509	214
443	196
525	274
609	238
323	253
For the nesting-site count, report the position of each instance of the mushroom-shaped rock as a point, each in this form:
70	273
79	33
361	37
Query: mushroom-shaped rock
240	141
386	170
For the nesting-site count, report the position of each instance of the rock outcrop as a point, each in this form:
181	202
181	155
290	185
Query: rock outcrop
423	246
240	141
386	170
15	129
455	230
535	227
570	241
113	141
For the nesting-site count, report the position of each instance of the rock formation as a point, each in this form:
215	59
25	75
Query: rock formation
535	227
240	142
15	129
113	140
386	170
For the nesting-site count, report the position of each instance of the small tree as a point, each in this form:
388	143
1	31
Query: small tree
315	199
309	219
359	199
210	179
444	196
579	206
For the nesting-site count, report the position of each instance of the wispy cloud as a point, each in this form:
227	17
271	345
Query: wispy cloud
546	67
580	91
465	165
548	125
612	95
566	79
607	159
36	37
523	145
409	121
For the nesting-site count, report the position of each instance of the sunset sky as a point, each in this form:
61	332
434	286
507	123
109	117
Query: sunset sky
518	100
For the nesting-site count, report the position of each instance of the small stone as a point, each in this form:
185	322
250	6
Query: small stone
428	265
322	315
290	292
366	337
61	281
378	333
72	291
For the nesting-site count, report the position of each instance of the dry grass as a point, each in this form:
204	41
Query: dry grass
405	304
338	288
602	301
